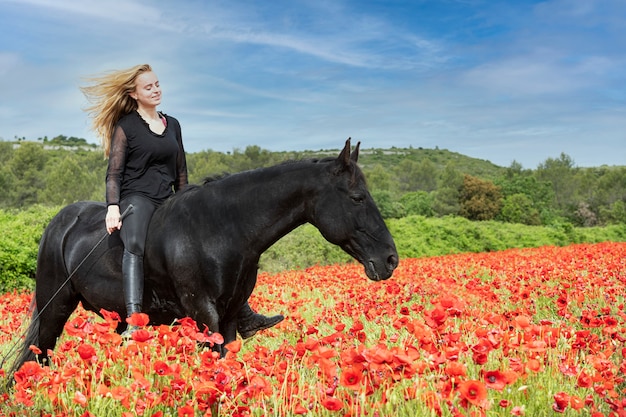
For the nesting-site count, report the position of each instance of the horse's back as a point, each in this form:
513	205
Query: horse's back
68	237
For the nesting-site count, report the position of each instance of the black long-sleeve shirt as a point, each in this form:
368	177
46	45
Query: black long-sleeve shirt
143	162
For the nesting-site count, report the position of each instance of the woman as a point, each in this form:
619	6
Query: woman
146	165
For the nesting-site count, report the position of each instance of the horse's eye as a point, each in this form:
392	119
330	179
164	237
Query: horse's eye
358	199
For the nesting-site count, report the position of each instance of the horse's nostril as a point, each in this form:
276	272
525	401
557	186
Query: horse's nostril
392	261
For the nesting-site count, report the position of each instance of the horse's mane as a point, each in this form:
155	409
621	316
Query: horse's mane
219	177
208	181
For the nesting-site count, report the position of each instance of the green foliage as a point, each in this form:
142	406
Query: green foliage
415	236
519	208
49	172
388	208
418	202
24	175
570	202
480	199
33	174
19	244
63	140
379	178
418	236
69	179
559	172
302	248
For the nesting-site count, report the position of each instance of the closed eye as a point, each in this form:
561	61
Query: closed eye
357	199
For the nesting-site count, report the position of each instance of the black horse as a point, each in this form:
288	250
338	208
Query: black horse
204	244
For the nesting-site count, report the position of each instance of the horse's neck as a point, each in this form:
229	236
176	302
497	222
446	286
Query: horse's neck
280	200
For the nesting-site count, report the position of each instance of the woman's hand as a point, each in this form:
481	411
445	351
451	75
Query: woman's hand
113	219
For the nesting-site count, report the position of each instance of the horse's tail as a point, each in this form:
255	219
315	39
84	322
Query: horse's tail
31	337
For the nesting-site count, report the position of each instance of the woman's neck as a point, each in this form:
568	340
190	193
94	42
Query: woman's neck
148	113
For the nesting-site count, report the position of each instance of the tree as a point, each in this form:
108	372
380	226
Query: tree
526	199
206	164
561	174
479	199
600	189
388	208
6	152
519	208
378	178
405	174
426	176
584	216
418	202
68	182
616	213
446	197
26	167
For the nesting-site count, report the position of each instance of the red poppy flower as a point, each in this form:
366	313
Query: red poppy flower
576	403
352	376
141	335
35	349
110	316
474	392
332	404
138	319
77	327
534	365
80	398
523	322
455	369
86	351
357	326
480	353
584	380
30	370
519	411
234	346
561	400
121	394
186	411
258	386
494	380
161	368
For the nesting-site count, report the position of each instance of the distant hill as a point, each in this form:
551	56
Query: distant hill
391	157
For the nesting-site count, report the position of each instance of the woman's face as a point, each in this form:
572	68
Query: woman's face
147	90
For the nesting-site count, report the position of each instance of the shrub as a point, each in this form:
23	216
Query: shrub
19	244
415	236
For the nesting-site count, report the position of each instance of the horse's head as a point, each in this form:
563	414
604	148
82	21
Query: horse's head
346	215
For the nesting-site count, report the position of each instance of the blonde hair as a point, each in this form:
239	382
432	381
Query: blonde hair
110	99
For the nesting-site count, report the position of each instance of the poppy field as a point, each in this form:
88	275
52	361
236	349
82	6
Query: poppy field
520	332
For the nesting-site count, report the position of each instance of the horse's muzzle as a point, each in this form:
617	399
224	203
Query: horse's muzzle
380	271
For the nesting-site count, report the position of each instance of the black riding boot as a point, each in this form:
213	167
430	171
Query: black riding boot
132	272
249	322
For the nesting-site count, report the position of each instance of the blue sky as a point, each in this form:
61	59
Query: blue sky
493	79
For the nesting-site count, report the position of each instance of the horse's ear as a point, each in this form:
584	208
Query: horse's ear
344	157
355	153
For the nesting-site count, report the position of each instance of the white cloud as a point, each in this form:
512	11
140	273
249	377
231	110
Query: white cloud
482	77
111	10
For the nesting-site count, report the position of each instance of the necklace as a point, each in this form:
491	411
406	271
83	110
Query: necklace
148	118
156	124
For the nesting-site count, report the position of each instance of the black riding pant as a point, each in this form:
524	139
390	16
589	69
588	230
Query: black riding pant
135	225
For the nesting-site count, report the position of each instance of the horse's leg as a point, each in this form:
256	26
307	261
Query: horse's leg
229	332
203	311
52	319
46	325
